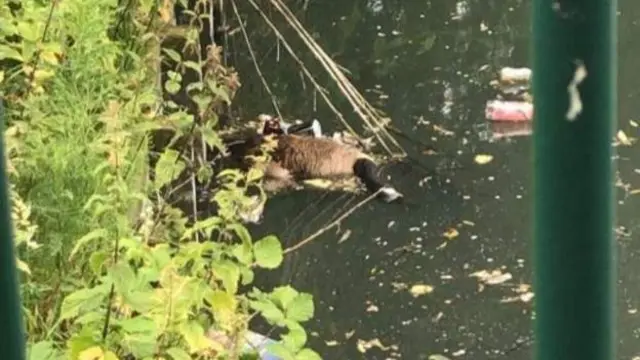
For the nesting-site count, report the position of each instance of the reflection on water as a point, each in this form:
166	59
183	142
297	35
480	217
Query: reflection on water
428	64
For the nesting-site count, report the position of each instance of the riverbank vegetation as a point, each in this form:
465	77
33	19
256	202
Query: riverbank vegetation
110	268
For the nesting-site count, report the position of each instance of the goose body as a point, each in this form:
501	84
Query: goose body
299	157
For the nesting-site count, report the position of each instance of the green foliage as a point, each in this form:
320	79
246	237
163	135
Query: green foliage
90	241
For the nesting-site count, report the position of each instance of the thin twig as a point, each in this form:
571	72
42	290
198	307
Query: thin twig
361	106
333	224
306	71
255	61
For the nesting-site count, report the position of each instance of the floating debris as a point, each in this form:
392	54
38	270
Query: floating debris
344	236
499	110
438	357
482	159
451	234
420	289
510	75
524	294
494	277
622	139
363	345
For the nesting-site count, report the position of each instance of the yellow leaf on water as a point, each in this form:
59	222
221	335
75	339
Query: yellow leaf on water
633	123
451	233
622	137
483	159
634	192
420	289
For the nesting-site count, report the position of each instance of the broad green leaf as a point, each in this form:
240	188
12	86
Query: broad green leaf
7	52
168	168
301	308
295	339
92	353
218	91
229	273
82	340
203	102
243	253
247	275
139	324
172	54
269	311
139	336
211	138
283	295
307	354
193	65
96	262
241	231
172	86
110	356
178	354
123	278
43	350
28	32
194	335
83	300
280	351
92	235
224	306
268	252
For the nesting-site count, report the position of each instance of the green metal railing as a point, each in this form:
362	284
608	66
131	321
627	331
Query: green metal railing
13	339
574	247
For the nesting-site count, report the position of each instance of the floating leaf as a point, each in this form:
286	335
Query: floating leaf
482	159
438	357
268	252
451	233
420	289
491	278
622	137
633	123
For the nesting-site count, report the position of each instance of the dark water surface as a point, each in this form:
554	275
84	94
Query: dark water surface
434	60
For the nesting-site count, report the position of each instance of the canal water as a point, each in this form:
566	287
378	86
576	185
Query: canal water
447	272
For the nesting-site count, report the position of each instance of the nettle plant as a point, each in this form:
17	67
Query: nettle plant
149	284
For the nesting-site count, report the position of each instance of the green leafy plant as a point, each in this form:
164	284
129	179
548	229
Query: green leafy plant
111	269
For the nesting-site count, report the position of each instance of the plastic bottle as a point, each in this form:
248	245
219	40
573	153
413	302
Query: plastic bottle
498	110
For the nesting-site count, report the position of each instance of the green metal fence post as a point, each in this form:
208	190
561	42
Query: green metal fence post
574	246
12	341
